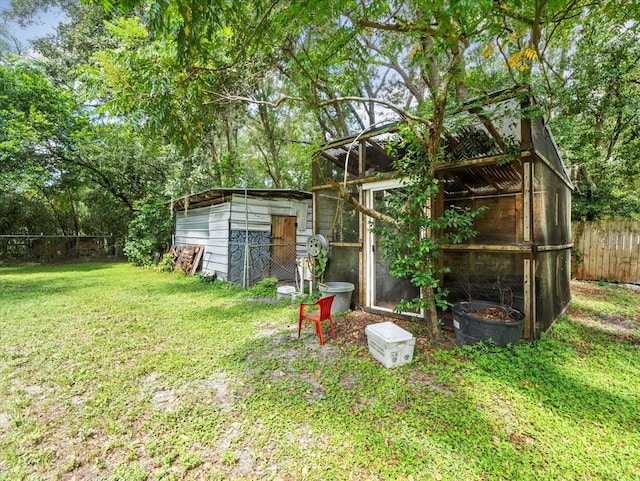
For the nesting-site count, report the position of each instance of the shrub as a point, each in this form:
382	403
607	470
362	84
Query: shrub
267	287
149	232
166	263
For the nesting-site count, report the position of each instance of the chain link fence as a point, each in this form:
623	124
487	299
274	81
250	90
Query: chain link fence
251	262
57	248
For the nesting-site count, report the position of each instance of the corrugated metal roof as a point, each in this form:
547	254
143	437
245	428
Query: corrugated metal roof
485	179
220	195
485	128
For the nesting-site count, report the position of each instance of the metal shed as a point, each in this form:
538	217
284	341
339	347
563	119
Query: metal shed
498	153
247	234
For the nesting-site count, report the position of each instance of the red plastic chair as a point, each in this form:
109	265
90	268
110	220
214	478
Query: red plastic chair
323	313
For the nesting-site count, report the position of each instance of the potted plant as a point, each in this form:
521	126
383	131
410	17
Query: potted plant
488	321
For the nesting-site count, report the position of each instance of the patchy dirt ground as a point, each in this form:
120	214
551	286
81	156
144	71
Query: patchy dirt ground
90	452
351	326
624	326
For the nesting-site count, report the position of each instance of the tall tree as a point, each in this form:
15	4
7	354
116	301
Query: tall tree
51	147
596	119
325	49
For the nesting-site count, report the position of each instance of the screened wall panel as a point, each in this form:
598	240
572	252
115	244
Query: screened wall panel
553	276
543	142
343	266
334	168
336	220
489	276
501	222
552	208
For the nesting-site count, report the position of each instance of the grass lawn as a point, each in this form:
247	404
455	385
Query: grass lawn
115	373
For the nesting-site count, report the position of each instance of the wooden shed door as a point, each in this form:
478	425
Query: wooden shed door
283	247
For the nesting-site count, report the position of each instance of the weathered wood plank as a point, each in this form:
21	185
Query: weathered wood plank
616	247
628	254
196	260
607	245
601	249
633	239
592	254
610	250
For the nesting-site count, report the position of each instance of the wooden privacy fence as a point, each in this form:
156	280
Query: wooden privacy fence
607	250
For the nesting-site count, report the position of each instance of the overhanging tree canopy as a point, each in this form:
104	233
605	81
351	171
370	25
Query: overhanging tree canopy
326	49
349	63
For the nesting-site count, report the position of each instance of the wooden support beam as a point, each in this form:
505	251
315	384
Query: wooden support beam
530	298
467	186
339	163
357	245
554	247
362	158
360	181
527	194
562	177
491	99
487	178
475	162
362	254
524	248
391	127
376	146
491	129
330	157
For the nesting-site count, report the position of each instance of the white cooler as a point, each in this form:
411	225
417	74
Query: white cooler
390	344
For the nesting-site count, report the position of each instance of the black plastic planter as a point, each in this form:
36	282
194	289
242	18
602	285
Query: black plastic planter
470	328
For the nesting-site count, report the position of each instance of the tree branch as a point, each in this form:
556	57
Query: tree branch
394	65
348	198
334	101
405	27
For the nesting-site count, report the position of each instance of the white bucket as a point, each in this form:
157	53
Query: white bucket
285	292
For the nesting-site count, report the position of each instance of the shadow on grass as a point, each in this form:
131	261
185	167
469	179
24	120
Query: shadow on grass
79	266
37	281
546	373
415	418
366	421
390	422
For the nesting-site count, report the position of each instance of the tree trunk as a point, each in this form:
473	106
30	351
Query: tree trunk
74	213
431	313
433	149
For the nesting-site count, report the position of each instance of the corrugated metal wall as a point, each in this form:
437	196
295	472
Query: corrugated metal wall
210	226
259	212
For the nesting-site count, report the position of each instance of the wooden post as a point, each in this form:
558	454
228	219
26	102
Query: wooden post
362	230
362	254
529	280
362	157
530	297
527	200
